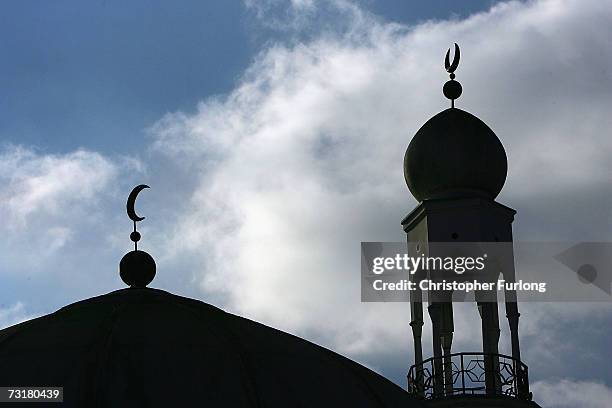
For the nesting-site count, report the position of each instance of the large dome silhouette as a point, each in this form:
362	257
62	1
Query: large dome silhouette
143	347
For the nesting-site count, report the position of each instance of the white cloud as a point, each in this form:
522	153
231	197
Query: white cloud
52	204
302	161
36	184
567	393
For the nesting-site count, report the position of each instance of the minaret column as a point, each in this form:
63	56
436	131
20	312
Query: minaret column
490	339
416	323
435	312
512	314
446	339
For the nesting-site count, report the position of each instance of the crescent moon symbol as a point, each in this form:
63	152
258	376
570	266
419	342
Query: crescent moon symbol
450	68
131	201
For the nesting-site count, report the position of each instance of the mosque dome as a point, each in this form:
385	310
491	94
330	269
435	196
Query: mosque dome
144	347
455	154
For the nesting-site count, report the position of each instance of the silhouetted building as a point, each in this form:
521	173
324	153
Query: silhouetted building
144	347
455	166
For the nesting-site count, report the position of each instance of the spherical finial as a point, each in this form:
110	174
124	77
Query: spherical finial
137	269
135	236
452	89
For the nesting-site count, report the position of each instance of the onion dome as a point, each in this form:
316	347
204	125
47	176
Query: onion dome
455	154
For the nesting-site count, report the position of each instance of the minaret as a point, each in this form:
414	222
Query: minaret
455	166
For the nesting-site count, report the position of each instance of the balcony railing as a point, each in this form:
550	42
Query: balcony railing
469	374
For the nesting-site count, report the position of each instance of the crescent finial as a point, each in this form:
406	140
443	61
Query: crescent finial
131	201
131	212
137	268
452	88
451	67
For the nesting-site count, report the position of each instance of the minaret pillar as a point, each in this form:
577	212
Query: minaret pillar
416	323
435	313
490	342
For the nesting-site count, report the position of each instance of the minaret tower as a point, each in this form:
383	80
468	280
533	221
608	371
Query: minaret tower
455	166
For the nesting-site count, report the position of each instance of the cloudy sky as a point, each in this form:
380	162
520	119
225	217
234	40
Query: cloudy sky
272	133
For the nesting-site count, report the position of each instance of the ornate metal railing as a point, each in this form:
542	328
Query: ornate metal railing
469	374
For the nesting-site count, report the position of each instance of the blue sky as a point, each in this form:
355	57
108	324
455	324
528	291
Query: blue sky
247	116
97	74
